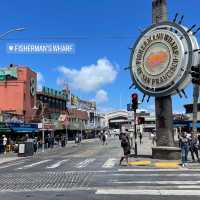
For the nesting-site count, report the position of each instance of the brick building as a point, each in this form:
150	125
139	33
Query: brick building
18	91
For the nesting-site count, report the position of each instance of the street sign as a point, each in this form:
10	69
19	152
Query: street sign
161	59
129	107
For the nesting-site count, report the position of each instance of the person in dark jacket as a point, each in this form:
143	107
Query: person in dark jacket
140	136
104	138
194	147
125	144
35	145
184	144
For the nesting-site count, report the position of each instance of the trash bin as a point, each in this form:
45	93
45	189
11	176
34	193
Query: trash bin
26	149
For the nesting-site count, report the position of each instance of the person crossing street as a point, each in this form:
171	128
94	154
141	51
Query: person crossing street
184	143
125	144
194	143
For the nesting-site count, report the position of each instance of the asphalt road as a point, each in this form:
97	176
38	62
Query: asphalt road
91	171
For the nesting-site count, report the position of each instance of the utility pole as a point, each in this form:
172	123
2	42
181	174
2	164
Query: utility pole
134	98
135	133
195	104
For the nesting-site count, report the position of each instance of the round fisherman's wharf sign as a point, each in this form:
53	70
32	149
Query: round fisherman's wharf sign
161	59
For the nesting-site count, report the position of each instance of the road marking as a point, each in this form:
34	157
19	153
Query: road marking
85	163
8	159
158	175
158	182
158	170
140	163
34	164
148	192
11	164
55	165
110	163
167	164
159	187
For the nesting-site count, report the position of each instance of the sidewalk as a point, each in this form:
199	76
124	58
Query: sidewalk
11	156
144	159
4	158
160	164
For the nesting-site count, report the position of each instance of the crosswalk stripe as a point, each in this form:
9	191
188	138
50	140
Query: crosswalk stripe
85	163
164	187
158	170
148	192
34	164
11	164
110	163
157	175
158	182
57	164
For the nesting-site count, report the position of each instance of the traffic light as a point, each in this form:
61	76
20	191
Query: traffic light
195	73
134	97
141	120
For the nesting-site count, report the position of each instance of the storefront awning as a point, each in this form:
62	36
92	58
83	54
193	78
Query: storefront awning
24	130
5	130
180	125
197	125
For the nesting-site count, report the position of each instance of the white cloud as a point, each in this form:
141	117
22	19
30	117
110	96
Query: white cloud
40	81
92	77
105	109
101	96
60	81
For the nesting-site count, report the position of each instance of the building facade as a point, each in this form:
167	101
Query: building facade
18	91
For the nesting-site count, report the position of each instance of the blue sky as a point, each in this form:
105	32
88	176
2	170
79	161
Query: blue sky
102	31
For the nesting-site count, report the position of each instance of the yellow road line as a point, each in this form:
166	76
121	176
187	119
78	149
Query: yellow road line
142	163
167	164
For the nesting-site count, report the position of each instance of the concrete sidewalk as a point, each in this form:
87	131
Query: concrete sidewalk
8	157
11	156
144	158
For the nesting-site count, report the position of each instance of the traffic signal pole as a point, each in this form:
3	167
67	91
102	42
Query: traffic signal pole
134	98
135	132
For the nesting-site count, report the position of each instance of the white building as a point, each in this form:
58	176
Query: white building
123	118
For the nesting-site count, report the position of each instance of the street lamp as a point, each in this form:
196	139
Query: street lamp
10	31
36	108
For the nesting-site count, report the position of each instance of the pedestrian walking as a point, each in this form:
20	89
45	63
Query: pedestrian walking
35	145
131	139
103	138
106	134
125	144
179	141
194	144
4	143
80	137
77	138
153	136
99	136
184	143
62	141
198	137
140	136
